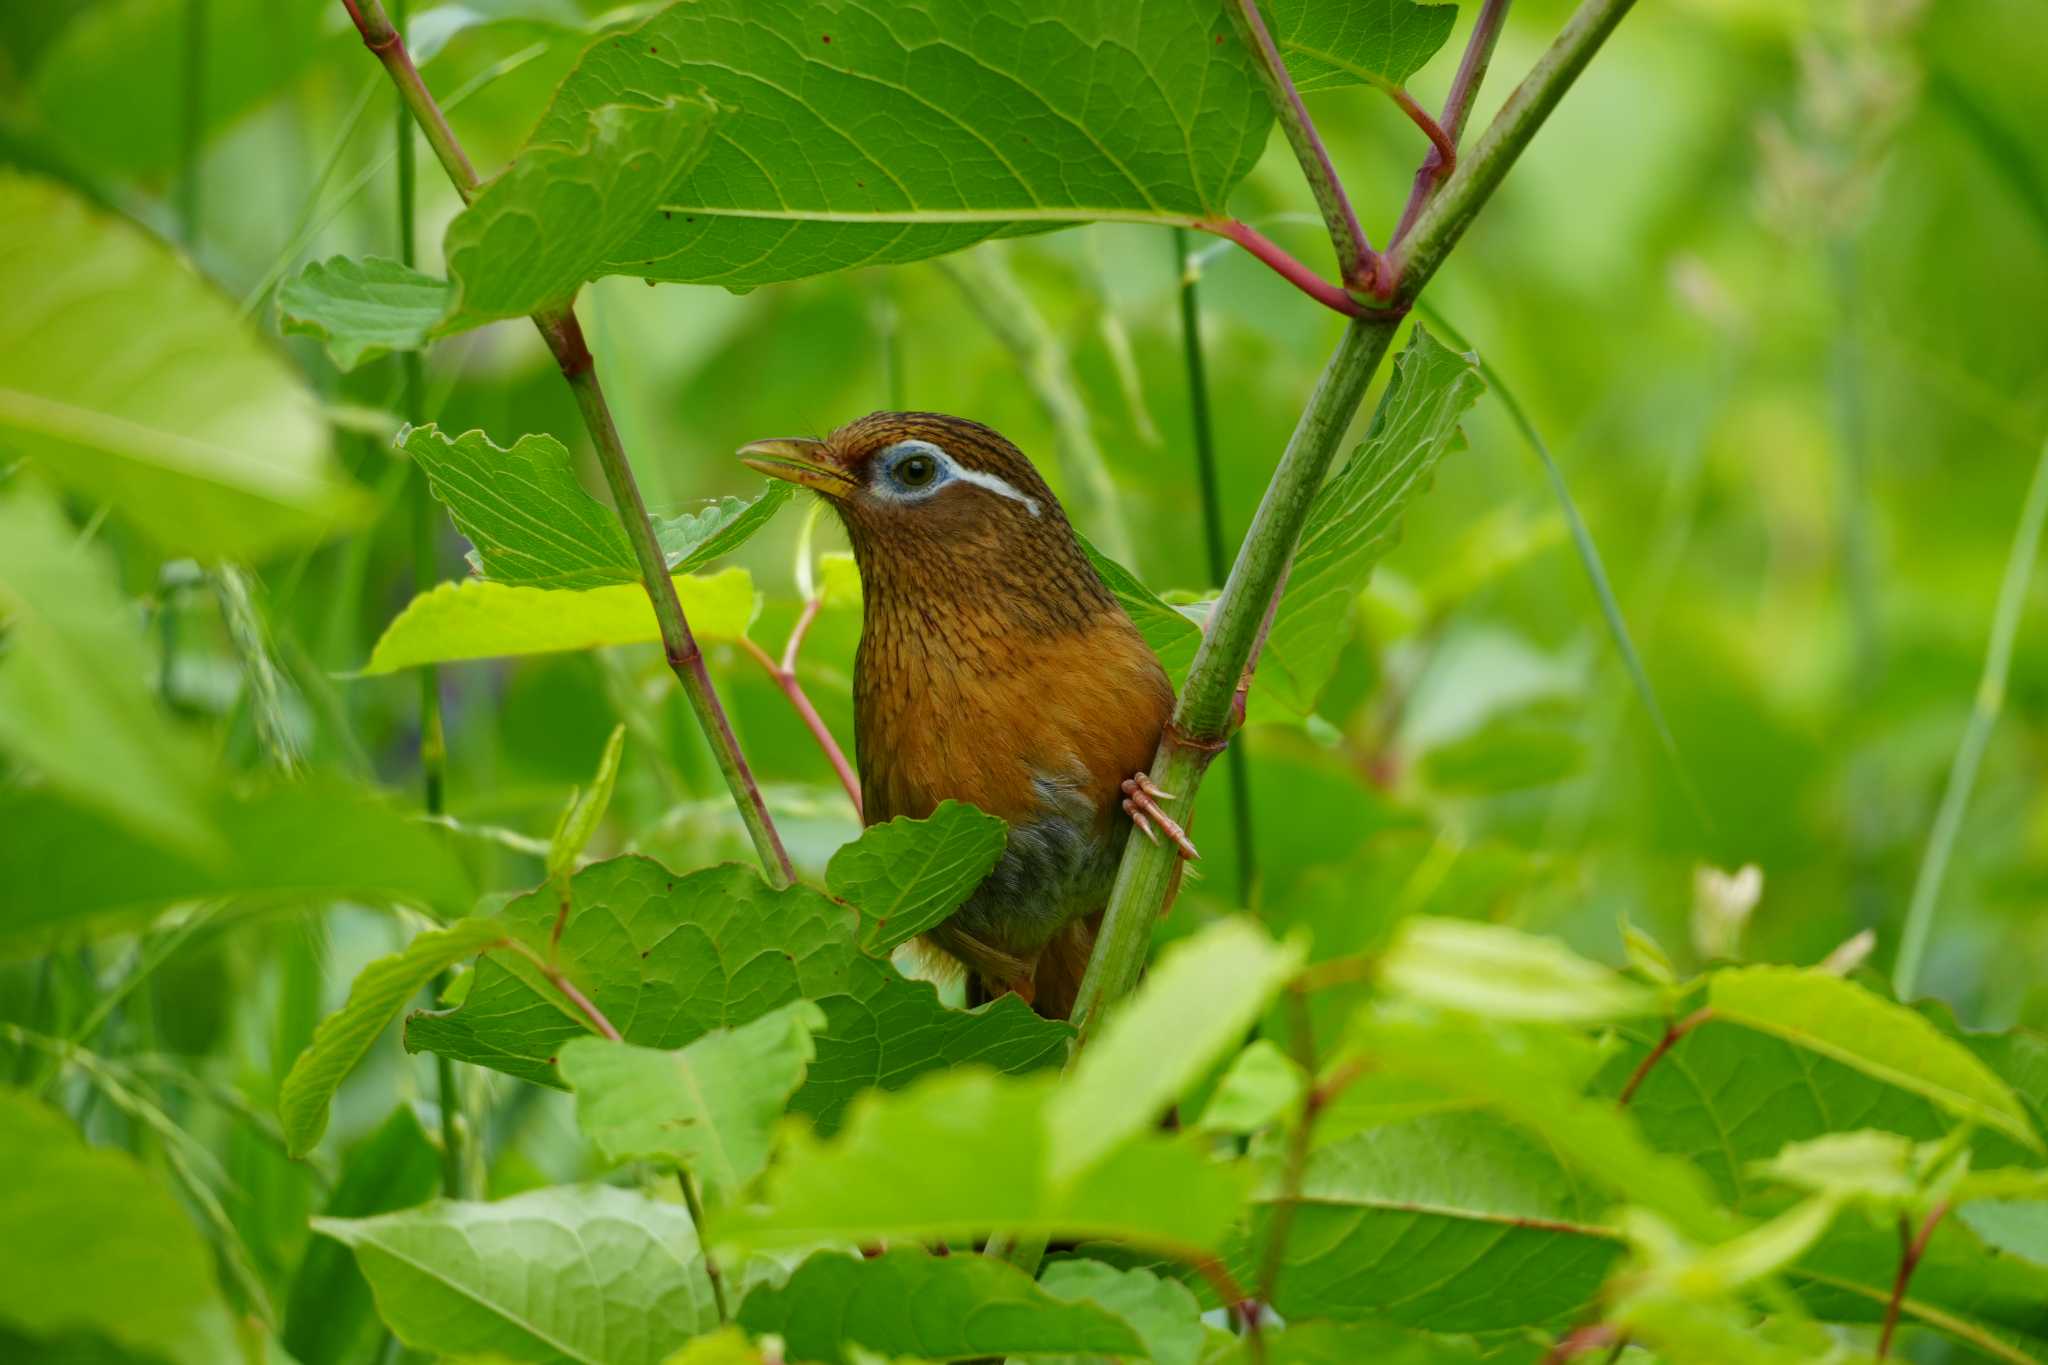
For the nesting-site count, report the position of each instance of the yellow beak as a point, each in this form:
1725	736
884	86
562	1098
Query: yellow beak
800	461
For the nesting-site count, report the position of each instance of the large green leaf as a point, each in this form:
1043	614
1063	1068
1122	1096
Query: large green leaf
480	619
379	992
361	309
865	135
328	1313
531	521
910	1303
1331	43
964	1153
708	1107
132	382
1163	1311
1455	1222
1193	1009
291	845
95	1244
1356	518
580	187
575	1273
73	703
905	875
1490	969
1820	1012
670	958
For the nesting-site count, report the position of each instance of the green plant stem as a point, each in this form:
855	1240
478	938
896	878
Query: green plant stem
1434	170
1212	530
695	1205
1203	717
1444	219
1962	774
1356	264
564	336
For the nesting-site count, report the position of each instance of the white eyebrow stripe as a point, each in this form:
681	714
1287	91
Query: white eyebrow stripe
995	484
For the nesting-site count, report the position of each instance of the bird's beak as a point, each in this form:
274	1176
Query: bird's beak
801	461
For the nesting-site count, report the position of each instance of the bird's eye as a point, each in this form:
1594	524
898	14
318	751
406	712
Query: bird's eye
915	471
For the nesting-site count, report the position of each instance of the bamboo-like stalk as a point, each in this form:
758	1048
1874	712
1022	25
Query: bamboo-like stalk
564	336
1203	718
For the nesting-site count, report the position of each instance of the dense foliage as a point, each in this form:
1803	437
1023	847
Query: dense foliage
1620	933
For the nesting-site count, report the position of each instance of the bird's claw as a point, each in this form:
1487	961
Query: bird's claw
1141	803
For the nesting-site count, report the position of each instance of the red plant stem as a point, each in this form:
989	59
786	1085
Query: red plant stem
1457	106
1580	1340
785	677
1656	1054
562	983
1275	257
1356	263
1911	1250
381	36
1443	158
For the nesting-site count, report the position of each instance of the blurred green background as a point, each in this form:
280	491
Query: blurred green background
1772	284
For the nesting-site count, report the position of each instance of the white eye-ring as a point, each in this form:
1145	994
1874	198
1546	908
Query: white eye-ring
912	471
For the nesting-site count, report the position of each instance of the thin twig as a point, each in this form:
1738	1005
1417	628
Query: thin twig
1457	106
1962	774
1356	263
696	1207
1443	157
1276	258
562	983
564	335
784	674
1911	1250
1672	1034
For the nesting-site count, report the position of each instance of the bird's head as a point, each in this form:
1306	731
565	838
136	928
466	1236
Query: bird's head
940	506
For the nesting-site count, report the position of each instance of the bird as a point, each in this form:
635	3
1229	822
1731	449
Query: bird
995	667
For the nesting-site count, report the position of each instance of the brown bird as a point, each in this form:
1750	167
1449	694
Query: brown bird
994	668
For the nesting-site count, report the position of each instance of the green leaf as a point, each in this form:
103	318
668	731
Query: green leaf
1195	1005
580	187
1825	1014
1375	42
379	992
479	619
1262	1084
909	1303
1533	1078
531	521
97	1244
361	309
864	136
1172	634
131	381
73	704
905	875
690	540
670	958
1492	970
585	809
1356	518
91	873
1454	1222
573	1273
1163	1311
708	1107
328	1314
1861	1165
964	1153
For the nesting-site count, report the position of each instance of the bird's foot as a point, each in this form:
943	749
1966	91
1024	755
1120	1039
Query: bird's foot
1141	803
